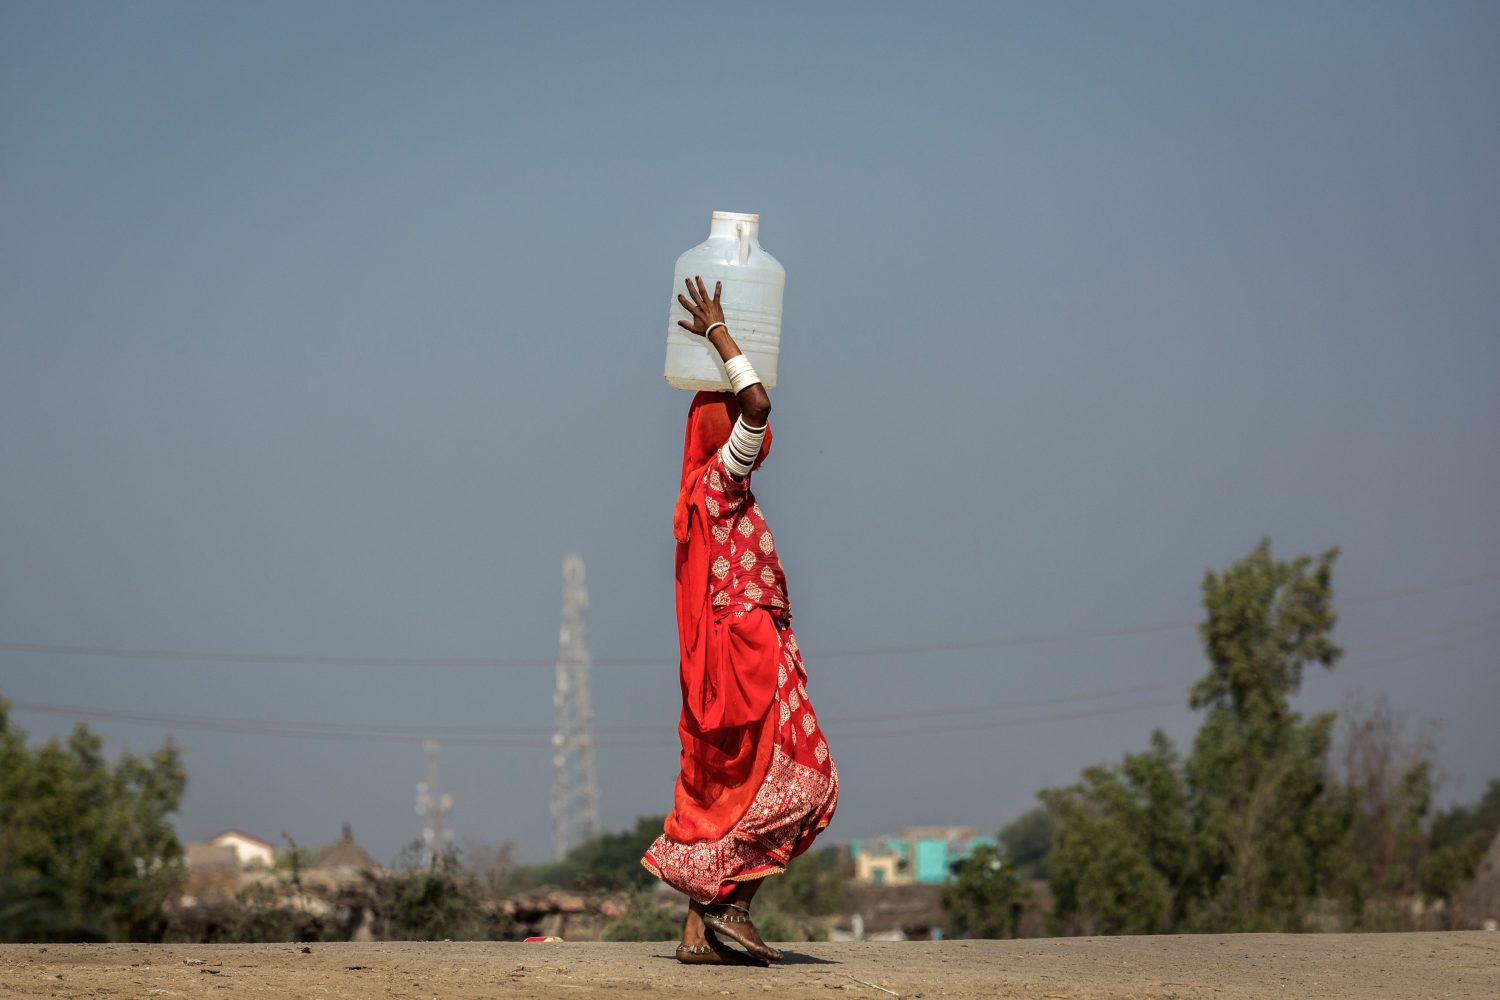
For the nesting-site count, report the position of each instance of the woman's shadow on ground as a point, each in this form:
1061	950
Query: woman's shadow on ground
791	958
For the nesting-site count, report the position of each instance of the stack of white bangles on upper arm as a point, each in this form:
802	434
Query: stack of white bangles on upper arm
743	447
741	375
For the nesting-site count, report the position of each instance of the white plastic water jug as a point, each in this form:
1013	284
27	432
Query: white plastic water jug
753	283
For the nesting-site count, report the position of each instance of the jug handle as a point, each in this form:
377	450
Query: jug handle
739	227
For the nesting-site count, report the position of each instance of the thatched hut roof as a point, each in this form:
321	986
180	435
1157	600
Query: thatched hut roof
346	858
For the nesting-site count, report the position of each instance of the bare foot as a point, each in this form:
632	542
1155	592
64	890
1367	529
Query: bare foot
715	952
694	934
700	946
733	921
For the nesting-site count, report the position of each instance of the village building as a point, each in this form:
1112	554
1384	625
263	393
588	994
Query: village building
249	851
204	857
922	855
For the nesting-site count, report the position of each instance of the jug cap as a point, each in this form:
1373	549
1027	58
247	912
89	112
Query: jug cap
736	217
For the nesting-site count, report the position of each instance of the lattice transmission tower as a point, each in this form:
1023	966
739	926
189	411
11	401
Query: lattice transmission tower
434	805
575	799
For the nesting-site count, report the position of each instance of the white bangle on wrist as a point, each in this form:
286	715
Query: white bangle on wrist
711	329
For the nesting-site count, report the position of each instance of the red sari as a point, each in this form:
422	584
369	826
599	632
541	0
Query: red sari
756	783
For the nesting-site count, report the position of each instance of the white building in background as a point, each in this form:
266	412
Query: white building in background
251	852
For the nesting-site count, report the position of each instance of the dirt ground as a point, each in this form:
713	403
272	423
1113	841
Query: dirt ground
1218	967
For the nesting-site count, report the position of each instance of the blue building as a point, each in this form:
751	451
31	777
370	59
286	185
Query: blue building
925	855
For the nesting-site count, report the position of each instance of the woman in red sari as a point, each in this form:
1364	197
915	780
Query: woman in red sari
756	783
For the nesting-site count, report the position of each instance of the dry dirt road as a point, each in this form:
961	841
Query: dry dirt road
1217	967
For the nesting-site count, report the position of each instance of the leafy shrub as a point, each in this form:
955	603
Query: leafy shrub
987	899
645	922
435	901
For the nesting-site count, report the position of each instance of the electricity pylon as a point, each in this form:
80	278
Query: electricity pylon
575	799
434	805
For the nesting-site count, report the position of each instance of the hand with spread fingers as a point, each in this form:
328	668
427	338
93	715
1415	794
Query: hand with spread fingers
704	310
708	321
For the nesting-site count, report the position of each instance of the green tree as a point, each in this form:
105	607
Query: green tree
1268	828
1250	827
1028	841
775	925
810	886
33	909
264	913
1120	859
1386	780
1447	869
87	841
646	921
787	903
432	900
1453	825
986	898
613	860
1457	843
607	861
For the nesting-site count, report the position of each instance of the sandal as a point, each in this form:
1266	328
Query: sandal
707	954
739	929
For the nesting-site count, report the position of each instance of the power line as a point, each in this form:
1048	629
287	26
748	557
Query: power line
520	736
845	736
1039	639
1482	623
384	735
1066	699
1011	723
295	730
1457	641
897	649
221	656
1429	588
1462	634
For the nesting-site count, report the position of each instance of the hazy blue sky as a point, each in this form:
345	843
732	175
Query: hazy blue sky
326	330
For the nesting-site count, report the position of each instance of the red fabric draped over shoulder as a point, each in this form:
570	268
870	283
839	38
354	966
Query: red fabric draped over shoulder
727	668
710	419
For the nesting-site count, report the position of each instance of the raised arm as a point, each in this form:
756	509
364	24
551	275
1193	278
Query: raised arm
708	320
